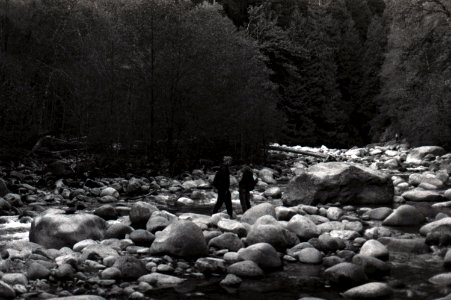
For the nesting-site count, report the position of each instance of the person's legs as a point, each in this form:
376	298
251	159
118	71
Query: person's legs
228	203
243	202
248	199
219	201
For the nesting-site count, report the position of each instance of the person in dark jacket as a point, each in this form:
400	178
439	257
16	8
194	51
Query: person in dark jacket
247	184
222	183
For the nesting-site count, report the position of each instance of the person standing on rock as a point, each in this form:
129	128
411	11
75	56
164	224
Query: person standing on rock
222	183
247	184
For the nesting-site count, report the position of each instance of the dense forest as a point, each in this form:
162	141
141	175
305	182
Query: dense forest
182	80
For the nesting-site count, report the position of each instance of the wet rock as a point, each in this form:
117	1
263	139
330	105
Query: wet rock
404	215
333	260
232	226
58	230
263	254
310	256
379	213
328	242
374	248
95	251
416	245
117	231
372	266
140	213
159	280
130	267
303	227
6	291
418	195
157	223
210	265
416	155
425	229
231	280
78	247
227	240
37	271
372	290
245	268
133	186
440	236
142	237
106	212
346	274
425	179
257	211
447	194
342	182
65	271
181	238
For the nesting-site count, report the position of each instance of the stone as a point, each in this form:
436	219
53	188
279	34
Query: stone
98	250
210	265
273	234
6	291
231	257
418	195
142	237
37	271
447	194
267	176
425	229
346	274
443	279
404	215
3	188
263	254
372	266
303	227
111	273
372	290
181	238
425	178
334	213
159	280
78	247
228	240
81	297
140	213
257	211
310	256
106	212
416	245
379	213
133	186
245	268
231	280
327	242
58	230
109	191
374	248
416	155
14	278
285	213
274	192
339	182
232	226
130	267
447	259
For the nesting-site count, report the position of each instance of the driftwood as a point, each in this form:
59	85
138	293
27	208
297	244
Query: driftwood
303	152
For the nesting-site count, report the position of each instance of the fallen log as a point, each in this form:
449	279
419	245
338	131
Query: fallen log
303	152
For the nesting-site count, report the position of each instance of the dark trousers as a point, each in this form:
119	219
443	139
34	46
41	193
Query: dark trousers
224	197
245	199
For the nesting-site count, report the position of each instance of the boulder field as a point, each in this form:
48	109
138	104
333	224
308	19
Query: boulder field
350	220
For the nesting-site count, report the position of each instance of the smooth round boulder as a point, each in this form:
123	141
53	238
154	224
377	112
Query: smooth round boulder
275	235
379	213
309	256
245	268
303	227
334	213
106	212
142	237
372	290
58	230
181	238
404	215
374	248
372	266
210	265
109	191
140	213
233	226
263	254
346	274
157	223
443	279
257	211
117	231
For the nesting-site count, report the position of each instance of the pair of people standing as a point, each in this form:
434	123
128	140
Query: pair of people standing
222	183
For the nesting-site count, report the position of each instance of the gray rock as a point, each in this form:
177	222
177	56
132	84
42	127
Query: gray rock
310	256
447	259
443	279
210	265
416	155
274	192
404	215
418	195
97	250
81	297
416	245
346	274
267	176
142	237
339	182
245	268
109	191
227	240
232	226
231	280
111	273
180	238
140	213
6	291
58	230
374	248
117	231
373	267
263	254
303	227
257	211
3	188
379	213
37	271
334	213
14	278
273	234
159	280
285	213
106	212
447	194
372	290
157	223
425	229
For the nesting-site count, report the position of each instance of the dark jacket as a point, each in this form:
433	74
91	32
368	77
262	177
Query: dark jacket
222	178
247	179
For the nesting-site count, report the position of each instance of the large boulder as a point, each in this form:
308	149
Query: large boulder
405	215
257	211
263	254
181	238
346	274
59	230
303	227
227	240
140	213
416	155
342	182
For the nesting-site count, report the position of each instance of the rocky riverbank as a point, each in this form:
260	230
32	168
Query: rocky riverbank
371	223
